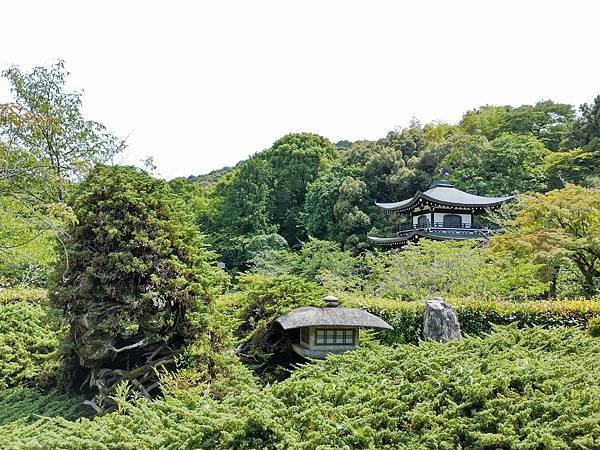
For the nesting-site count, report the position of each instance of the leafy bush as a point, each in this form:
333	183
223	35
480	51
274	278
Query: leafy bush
262	243
530	388
476	317
593	326
454	269
28	247
320	261
418	270
30	334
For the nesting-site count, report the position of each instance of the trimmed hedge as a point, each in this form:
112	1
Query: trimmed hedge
477	317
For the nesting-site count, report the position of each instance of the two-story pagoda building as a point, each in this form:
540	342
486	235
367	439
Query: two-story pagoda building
441	213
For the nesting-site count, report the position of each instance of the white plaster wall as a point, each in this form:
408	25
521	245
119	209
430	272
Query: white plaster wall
466	218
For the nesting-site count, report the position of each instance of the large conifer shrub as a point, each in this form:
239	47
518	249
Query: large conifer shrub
134	283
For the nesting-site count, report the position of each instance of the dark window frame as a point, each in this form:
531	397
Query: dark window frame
352	332
452	221
305	332
422	221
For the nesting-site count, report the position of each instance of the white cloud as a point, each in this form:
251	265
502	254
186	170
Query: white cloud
200	85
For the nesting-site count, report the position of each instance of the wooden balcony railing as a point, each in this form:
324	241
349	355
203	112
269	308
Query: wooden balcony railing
438	227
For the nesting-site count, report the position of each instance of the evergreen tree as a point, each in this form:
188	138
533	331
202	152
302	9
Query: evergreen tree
134	283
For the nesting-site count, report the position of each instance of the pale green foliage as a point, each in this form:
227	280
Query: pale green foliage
30	333
417	271
320	261
46	143
450	268
576	165
27	252
51	126
560	226
547	121
261	244
510	163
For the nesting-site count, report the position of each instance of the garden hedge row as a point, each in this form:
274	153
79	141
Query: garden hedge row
478	317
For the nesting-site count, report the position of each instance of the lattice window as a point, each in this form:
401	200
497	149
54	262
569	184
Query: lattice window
335	336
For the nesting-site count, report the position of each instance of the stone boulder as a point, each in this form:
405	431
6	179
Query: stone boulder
440	322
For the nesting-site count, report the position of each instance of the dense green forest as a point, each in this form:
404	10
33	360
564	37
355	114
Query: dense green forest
123	296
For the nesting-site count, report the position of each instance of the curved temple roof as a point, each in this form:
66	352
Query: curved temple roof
444	193
310	316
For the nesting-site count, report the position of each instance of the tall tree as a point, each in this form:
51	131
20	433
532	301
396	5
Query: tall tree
510	163
577	165
137	283
547	121
484	121
318	217
46	121
586	129
295	160
409	141
45	144
561	225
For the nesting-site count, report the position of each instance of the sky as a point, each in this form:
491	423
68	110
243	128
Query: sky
198	85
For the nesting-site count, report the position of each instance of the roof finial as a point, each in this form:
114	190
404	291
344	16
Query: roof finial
331	301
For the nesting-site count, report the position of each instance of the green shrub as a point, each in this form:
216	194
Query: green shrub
30	334
27	405
28	246
453	269
593	326
262	300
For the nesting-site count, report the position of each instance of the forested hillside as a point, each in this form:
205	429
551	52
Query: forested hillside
122	328
305	186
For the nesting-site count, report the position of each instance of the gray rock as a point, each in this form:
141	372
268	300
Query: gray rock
440	322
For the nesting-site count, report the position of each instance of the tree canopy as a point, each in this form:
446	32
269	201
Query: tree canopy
562	226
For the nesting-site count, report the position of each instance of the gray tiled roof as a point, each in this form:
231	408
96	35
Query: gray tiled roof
443	193
310	316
